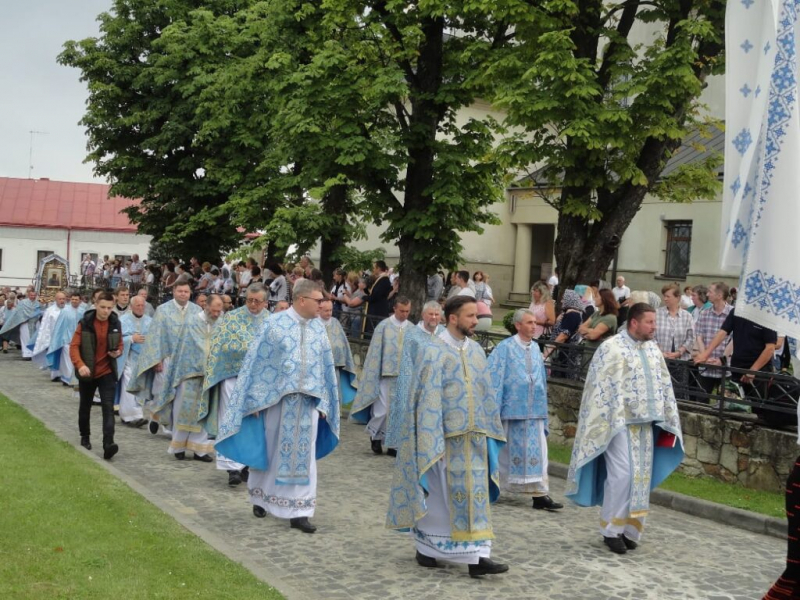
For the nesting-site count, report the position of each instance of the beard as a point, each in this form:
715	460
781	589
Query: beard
465	331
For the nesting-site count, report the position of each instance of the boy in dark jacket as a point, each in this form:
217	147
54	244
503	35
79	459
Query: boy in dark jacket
94	350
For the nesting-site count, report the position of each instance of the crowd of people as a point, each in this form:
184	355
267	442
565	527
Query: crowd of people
260	392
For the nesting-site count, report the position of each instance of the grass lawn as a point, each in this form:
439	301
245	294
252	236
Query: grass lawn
69	529
737	496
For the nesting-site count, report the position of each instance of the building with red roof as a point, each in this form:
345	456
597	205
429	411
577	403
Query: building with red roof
39	217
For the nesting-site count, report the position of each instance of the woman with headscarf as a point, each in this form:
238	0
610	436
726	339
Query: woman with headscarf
566	361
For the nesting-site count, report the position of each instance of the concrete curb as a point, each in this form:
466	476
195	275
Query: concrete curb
267	576
726	515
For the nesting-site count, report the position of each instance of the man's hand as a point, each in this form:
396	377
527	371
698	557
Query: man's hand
137	338
702	357
84	371
115	354
747	378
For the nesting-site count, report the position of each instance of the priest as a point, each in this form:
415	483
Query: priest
342	355
629	432
135	325
58	352
21	323
431	319
45	333
229	343
378	380
520	387
284	413
446	472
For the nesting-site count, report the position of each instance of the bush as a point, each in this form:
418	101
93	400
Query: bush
508	322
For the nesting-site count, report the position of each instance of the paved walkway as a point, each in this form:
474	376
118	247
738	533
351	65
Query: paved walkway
555	556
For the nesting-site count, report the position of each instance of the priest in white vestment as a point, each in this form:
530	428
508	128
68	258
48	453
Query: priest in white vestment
45	333
629	432
135	325
58	352
284	413
342	354
21	323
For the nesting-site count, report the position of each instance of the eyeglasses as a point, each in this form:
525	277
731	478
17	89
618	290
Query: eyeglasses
253	301
317	300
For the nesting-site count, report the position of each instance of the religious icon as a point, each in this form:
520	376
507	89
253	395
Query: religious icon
54	278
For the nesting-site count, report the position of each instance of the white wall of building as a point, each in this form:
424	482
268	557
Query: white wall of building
20	245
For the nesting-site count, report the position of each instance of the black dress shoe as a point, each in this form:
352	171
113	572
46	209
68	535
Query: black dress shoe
109	451
65	384
426	561
629	543
139	423
234	478
302	524
205	458
486	567
153	427
546	503
615	544
180	455
55	379
259	511
391	452
85	442
376	447
245	474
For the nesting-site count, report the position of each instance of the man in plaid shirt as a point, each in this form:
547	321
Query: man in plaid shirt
708	324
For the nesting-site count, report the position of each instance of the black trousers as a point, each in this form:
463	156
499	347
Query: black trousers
788	584
106	384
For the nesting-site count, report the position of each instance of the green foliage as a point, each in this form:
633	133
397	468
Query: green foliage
508	322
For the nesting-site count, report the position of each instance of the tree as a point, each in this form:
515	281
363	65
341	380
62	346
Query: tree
142	125
601	114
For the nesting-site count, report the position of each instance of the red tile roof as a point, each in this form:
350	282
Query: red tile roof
62	205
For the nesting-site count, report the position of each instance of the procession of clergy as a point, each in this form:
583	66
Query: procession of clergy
262	392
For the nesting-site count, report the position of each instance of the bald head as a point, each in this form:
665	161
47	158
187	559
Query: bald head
137	305
61	299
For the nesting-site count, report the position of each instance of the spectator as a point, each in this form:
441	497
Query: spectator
462	282
88	267
255	271
451	289
732	296
699	302
621	291
543	309
674	327
378	299
602	324
708	324
352	303
686	298
279	288
435	287
566	361
136	270
205	279
338	290
483	293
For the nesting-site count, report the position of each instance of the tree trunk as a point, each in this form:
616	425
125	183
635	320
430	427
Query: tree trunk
334	203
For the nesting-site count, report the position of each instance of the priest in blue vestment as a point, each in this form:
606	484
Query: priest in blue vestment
284	413
155	379
446	472
135	325
58	351
21	323
230	341
430	321
378	381
629	432
342	355
45	333
520	385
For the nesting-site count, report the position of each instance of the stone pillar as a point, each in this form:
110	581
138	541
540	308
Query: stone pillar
522	259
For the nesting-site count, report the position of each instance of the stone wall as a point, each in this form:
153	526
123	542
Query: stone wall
731	451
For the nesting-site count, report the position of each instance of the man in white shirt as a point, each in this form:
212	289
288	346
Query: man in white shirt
462	281
136	269
621	291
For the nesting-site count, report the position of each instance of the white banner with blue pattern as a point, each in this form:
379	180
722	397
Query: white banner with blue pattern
761	211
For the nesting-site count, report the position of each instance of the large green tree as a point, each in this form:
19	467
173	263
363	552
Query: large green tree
604	93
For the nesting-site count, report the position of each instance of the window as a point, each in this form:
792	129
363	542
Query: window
40	254
679	246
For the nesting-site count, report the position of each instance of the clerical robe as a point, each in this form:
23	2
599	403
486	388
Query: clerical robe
439	329
229	343
167	335
378	381
129	407
44	334
58	352
446	472
284	414
343	360
629	434
414	344
520	386
21	323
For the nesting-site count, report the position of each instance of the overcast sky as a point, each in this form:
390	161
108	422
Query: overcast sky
36	93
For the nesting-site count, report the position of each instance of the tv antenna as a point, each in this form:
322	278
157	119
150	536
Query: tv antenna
30	151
